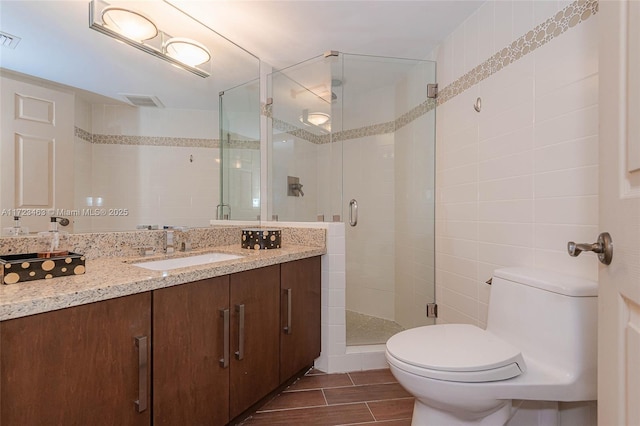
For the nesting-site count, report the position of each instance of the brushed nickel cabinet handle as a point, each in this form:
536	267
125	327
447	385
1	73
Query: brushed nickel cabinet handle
240	351
224	361
143	365
288	328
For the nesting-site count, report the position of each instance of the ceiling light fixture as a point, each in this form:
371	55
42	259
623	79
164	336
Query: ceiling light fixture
314	118
129	23
137	30
187	51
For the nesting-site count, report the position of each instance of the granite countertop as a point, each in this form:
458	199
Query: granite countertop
115	277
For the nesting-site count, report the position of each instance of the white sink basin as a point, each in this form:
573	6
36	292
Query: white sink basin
182	262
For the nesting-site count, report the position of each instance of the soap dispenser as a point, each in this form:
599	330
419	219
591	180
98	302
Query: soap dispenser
54	241
16	230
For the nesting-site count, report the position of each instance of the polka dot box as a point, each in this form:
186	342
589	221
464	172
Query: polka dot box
17	268
261	239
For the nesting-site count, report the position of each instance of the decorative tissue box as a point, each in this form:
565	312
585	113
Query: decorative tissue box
261	239
17	268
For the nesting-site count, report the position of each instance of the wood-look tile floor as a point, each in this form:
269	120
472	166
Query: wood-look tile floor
360	398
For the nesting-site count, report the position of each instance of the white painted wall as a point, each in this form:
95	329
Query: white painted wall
518	180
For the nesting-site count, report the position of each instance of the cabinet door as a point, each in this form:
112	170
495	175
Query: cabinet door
300	315
190	384
254	338
77	366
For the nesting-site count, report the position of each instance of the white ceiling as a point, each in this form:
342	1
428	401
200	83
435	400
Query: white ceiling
58	45
283	33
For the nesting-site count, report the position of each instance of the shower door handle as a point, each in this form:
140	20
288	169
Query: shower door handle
353	212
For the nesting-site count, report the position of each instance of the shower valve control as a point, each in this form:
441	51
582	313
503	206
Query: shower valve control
294	187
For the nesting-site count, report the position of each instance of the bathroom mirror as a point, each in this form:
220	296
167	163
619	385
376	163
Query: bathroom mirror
110	136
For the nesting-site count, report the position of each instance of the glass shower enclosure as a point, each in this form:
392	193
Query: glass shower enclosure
239	117
353	140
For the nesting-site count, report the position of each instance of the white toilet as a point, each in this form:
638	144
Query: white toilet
540	344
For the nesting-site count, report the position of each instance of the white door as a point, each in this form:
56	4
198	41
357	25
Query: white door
619	283
37	136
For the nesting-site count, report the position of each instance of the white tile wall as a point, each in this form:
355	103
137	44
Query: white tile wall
518	180
142	184
297	158
486	23
129	120
335	356
187	196
82	181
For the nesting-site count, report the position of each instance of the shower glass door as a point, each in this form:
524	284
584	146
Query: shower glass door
388	147
358	130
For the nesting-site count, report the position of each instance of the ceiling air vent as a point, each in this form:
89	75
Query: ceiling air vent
8	40
143	101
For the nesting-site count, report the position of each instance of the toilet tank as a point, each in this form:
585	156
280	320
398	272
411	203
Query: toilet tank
551	317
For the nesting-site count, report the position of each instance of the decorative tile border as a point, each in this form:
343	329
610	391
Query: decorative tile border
567	18
415	113
83	134
344	135
155	141
243	144
298	132
361	132
572	15
162	141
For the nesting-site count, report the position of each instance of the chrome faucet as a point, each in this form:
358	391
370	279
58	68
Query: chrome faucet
168	242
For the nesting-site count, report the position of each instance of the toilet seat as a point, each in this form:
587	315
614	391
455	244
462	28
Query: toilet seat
455	352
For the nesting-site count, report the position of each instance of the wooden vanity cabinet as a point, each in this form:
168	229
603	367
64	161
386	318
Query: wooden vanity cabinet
195	381
190	383
85	365
300	304
254	367
218	347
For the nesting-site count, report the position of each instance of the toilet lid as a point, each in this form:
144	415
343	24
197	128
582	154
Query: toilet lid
456	352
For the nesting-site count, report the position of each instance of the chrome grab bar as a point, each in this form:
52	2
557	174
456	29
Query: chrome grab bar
353	212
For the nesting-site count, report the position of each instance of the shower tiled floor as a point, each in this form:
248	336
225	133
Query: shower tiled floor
367	330
359	398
